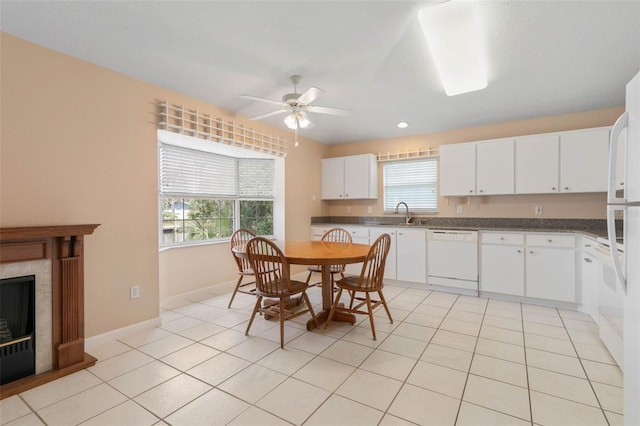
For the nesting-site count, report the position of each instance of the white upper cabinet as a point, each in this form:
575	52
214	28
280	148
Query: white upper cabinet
458	169
353	177
536	163
583	160
495	167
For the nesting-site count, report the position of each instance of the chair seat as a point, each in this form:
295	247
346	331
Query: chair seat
281	286
351	282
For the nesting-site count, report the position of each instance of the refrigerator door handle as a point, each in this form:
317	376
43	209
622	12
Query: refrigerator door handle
613	245
620	124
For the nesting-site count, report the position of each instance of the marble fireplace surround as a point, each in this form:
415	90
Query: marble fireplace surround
55	255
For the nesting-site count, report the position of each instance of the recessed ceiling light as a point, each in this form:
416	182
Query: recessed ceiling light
402	125
455	36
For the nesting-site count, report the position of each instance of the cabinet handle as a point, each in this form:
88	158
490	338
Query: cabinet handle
553	189
566	188
519	251
501	238
621	183
530	251
471	191
587	245
586	259
482	190
346	195
550	240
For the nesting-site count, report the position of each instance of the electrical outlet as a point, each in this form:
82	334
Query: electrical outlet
134	291
538	209
369	209
459	210
348	209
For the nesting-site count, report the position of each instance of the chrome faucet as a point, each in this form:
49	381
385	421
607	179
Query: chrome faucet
408	216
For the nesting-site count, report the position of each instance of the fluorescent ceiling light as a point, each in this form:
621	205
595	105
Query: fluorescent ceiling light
455	37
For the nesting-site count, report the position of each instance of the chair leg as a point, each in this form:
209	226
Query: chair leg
281	315
333	308
386	308
308	302
235	291
370	309
253	314
308	278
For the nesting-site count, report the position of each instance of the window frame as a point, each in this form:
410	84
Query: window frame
189	142
388	206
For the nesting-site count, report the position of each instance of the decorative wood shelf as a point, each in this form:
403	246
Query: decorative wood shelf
196	124
408	154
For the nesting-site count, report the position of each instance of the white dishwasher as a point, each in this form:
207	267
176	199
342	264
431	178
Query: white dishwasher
452	260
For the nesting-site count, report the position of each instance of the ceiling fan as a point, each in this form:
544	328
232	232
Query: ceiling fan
297	105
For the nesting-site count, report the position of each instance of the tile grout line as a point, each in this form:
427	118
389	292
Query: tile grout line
526	364
473	354
584	370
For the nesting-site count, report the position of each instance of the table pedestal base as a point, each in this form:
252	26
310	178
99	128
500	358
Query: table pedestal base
337	316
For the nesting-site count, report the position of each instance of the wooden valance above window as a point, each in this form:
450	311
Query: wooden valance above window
193	123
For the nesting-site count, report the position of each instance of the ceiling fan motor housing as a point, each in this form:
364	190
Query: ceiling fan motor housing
291	98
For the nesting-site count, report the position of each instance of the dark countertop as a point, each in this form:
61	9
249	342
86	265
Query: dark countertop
593	227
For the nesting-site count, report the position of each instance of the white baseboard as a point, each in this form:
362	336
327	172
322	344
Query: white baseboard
120	333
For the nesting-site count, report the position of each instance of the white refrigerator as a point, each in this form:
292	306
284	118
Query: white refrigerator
628	271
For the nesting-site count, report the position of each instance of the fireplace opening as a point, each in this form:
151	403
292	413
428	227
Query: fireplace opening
17	328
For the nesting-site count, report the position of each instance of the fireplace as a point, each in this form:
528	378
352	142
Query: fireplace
54	255
17	328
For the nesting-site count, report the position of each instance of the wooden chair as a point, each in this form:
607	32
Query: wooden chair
273	281
238	238
336	235
369	281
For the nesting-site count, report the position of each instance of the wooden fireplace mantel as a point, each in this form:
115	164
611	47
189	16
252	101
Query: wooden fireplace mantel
64	246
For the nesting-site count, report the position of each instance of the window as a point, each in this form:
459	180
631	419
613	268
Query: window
415	182
206	196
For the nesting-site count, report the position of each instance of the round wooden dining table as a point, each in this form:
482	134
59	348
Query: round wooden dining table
325	254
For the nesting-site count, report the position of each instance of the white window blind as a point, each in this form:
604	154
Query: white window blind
414	182
255	178
189	172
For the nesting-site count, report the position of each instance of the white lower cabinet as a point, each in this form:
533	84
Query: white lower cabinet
390	265
411	255
540	266
407	258
502	269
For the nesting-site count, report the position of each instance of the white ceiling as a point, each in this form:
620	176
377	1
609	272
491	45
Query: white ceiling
545	57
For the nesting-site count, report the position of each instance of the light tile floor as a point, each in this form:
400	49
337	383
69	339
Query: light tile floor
446	359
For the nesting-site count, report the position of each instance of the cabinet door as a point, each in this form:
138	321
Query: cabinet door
333	178
411	255
390	265
537	164
458	169
495	167
550	274
584	161
502	269
357	176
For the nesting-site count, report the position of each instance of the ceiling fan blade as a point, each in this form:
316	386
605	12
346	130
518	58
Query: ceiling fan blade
269	114
310	95
271	101
327	110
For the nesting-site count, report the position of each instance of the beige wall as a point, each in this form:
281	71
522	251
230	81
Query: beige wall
583	206
78	145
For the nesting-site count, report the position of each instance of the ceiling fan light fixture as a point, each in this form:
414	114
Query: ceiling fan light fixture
297	120
455	36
